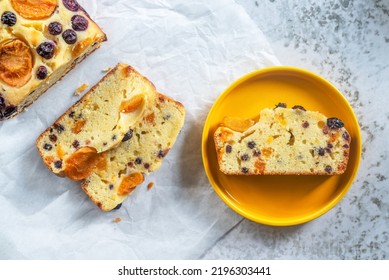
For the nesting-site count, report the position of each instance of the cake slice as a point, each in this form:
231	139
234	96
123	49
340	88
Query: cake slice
141	152
284	141
99	121
40	41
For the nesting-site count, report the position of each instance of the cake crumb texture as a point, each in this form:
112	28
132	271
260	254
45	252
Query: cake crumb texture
284	141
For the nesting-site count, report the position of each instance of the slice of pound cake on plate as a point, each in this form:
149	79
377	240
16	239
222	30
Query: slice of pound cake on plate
284	141
40	41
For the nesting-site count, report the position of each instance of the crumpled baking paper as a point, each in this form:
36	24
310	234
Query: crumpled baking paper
191	51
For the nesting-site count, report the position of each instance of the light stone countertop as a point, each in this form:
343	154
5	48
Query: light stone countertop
347	42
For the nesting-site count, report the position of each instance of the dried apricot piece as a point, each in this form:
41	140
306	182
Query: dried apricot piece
82	163
81	46
131	105
78	126
237	124
130	182
15	63
34	9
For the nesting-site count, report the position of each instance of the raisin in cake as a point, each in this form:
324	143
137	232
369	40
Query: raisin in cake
283	141
140	153
40	41
99	121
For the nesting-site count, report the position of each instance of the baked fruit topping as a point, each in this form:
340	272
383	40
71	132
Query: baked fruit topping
70	36
55	28
8	18
79	23
15	63
34	9
71	5
46	49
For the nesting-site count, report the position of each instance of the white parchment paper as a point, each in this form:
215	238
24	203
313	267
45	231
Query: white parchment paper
191	50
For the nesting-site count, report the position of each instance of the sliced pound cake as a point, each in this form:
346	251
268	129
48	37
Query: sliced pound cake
284	141
40	41
141	152
99	121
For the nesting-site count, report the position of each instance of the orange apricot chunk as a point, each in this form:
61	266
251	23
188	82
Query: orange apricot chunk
34	9
15	63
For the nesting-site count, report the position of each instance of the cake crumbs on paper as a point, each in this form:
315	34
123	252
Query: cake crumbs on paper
107	69
117	220
81	88
150	185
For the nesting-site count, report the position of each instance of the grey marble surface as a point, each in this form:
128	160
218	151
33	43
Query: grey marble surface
347	42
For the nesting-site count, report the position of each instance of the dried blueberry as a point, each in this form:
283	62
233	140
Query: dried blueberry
127	136
161	154
117	206
228	149
69	36
256	153
146	165
328	169
79	23
2	102
46	49
76	144
58	164
41	73
321	152
329	146
245	170
59	127
47	147
71	115
346	136
305	124
53	138
346	146
334	123
245	157
298	107
1	115
138	160
9	110
281	105
55	28
251	144
110	187
71	5
8	18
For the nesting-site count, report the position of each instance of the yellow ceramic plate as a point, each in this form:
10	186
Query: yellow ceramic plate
280	200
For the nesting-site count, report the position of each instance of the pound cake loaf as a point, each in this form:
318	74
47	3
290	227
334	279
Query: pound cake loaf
99	121
141	152
40	41
284	141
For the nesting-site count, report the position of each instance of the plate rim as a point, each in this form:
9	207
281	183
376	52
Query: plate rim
205	137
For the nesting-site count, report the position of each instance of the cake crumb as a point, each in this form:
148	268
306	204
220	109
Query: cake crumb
117	220
81	89
107	69
150	185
